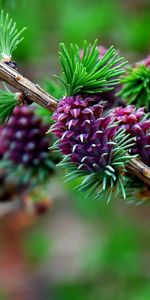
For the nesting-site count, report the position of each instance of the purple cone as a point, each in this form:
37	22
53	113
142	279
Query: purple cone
132	119
84	133
23	138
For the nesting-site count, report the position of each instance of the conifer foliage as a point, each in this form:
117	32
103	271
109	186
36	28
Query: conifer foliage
97	140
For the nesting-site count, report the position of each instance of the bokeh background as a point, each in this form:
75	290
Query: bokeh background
81	249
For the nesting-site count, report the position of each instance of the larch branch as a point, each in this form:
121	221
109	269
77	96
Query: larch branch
36	94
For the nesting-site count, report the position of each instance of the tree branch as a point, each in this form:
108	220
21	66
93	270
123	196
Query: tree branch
35	93
137	168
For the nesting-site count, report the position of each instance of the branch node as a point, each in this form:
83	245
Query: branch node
17	78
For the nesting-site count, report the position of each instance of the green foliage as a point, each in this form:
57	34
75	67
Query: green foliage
8	2
89	74
109	182
36	246
3	294
97	20
136	86
8	101
44	114
73	291
119	252
116	252
10	37
53	89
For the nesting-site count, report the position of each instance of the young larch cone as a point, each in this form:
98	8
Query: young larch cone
23	142
88	139
135	122
84	134
24	139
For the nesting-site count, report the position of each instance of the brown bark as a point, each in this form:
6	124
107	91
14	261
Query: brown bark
33	91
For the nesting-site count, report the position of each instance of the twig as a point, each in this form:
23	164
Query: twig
35	93
139	169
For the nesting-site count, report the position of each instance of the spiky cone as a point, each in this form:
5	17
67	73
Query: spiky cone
137	124
89	142
24	146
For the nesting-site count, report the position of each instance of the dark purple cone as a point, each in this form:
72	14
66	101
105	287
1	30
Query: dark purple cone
111	99
23	138
83	133
132	119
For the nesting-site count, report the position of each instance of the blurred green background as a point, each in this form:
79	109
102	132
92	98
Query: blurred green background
82	249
